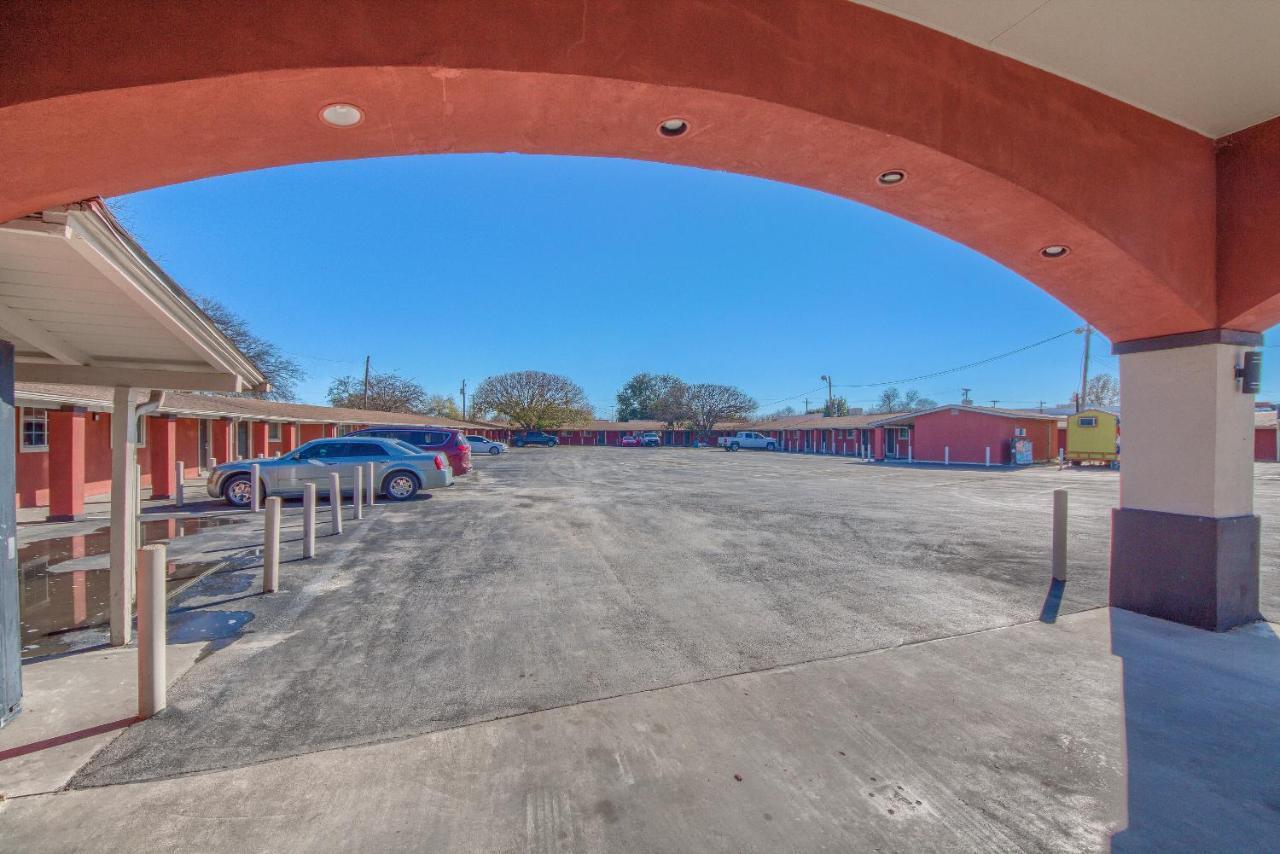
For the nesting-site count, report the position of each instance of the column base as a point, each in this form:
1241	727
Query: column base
1195	570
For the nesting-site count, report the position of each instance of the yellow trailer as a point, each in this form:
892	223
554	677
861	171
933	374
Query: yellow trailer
1093	436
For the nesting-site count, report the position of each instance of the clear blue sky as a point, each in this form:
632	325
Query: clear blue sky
463	266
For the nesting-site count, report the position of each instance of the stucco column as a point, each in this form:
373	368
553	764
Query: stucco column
162	439
66	464
288	437
124	513
258	442
222	440
1185	541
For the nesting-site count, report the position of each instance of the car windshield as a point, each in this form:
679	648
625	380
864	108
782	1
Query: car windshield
476	439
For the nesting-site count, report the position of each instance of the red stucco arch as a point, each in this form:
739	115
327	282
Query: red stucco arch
110	98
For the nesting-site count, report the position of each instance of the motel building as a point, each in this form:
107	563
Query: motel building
1266	436
63	440
971	435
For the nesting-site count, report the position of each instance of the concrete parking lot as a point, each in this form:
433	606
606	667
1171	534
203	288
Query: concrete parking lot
555	578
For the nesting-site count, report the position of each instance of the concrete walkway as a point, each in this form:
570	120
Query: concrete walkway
1102	729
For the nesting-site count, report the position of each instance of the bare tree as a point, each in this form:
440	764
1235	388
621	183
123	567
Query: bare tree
892	400
388	392
283	373
534	400
710	404
1102	390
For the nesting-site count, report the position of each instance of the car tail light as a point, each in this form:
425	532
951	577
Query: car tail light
439	462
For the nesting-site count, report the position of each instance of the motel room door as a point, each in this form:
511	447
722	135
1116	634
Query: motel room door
242	440
203	444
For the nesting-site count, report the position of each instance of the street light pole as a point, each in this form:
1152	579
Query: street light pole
830	400
464	400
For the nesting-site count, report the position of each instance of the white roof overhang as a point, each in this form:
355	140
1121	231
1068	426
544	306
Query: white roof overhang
83	304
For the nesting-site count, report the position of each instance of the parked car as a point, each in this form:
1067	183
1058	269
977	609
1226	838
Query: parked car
747	439
399	470
481	445
650	439
534	437
629	441
429	439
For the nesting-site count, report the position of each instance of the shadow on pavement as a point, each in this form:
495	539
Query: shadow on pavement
1201	737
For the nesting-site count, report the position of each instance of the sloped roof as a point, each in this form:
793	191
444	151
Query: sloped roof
981	410
1264	418
219	406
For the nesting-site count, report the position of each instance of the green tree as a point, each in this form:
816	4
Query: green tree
835	406
441	406
534	400
644	393
388	392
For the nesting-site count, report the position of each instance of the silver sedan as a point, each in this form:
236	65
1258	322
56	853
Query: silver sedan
400	470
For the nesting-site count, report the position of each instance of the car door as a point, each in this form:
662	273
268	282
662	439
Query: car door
314	464
361	454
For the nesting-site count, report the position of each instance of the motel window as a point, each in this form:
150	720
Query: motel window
1089	421
273	431
142	431
344	429
904	432
1019	431
851	434
35	429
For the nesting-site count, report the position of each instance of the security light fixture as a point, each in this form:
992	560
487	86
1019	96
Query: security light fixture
1055	251
673	127
893	176
1250	372
342	115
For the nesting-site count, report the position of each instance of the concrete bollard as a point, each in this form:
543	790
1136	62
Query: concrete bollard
988	455
910	451
152	595
373	487
1059	535
335	503
256	501
213	463
309	520
357	493
262	456
179	483
271	546
946	455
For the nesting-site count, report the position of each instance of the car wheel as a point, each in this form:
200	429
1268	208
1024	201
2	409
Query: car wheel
238	490
733	446
400	485
771	447
494	450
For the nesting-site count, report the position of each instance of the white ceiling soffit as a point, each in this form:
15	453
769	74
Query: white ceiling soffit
1209	65
83	304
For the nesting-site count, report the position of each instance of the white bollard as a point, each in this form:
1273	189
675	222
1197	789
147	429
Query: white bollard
988	455
357	493
151	630
309	520
373	489
909	452
335	503
256	501
180	483
262	456
271	546
946	455
1059	535
213	463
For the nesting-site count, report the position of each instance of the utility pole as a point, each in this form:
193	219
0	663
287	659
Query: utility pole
366	382
806	406
463	391
1041	405
993	403
964	397
830	401
1084	369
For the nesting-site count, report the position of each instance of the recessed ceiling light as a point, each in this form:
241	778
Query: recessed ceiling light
342	115
893	176
673	127
1055	251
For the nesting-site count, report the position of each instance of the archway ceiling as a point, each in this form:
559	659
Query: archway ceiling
1209	65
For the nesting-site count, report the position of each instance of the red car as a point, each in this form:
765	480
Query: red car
629	442
451	442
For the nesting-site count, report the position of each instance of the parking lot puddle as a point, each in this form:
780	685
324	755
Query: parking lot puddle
64	609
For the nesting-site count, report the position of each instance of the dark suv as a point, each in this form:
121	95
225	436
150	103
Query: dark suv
534	437
450	442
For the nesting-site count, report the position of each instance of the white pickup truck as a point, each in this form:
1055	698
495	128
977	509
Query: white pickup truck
747	439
